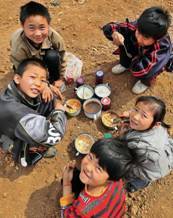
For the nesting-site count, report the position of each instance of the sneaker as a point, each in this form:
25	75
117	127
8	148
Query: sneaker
139	87
118	69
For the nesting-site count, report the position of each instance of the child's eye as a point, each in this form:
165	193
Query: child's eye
42	27
136	109
44	81
31	28
100	169
145	116
33	77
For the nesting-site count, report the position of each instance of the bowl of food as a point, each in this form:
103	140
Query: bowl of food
92	108
102	90
83	143
73	107
111	120
84	92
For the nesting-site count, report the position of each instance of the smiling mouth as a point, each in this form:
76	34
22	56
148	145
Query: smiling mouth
35	91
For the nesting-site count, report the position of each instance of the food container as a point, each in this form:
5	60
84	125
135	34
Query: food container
92	108
111	120
83	143
73	107
99	77
79	81
102	90
106	103
84	92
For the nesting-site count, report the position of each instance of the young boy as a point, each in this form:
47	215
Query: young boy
144	45
37	39
29	126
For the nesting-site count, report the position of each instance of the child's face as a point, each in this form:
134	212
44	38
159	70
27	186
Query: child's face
32	82
91	173
142	40
141	117
36	28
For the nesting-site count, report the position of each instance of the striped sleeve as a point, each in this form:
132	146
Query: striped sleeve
152	60
122	28
110	204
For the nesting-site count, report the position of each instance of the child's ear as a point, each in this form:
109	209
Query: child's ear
17	78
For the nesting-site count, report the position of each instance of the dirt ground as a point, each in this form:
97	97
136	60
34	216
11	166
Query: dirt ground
34	192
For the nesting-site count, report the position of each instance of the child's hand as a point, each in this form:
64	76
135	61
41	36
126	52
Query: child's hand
118	38
58	105
57	92
125	114
47	94
58	83
68	173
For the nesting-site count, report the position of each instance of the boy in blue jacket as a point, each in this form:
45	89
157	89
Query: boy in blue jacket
144	46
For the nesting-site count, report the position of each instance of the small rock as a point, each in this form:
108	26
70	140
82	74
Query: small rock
56	175
134	210
81	1
4	195
55	2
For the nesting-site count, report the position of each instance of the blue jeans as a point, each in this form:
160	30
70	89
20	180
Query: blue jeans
136	184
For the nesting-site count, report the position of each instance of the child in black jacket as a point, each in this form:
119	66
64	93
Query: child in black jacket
144	45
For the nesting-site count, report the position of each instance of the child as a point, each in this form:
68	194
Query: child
144	46
149	142
101	172
37	39
23	114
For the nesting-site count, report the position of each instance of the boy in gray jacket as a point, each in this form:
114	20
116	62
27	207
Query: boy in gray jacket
30	126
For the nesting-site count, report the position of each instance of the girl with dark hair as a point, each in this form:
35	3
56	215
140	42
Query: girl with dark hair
149	142
103	194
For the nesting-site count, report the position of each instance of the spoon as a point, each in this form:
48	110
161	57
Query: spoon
127	53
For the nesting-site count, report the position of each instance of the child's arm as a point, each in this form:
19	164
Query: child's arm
35	129
58	43
121	28
152	60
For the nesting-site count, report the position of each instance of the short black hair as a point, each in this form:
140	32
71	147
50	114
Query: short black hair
32	9
113	155
154	22
159	108
30	61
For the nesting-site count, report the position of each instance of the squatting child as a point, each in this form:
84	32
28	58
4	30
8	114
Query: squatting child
144	46
149	142
103	194
37	39
30	127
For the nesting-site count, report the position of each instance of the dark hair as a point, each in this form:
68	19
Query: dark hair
113	156
32	9
154	22
159	108
30	61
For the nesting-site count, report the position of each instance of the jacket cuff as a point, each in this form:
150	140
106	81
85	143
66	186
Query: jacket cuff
66	200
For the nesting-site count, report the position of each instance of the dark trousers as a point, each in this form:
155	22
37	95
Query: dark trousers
53	62
125	61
